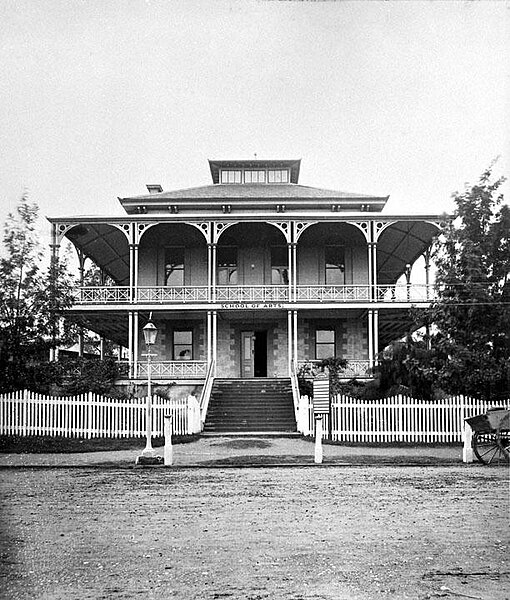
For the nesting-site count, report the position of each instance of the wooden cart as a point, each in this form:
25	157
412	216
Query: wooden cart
491	436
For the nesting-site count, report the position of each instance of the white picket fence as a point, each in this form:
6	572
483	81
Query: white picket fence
91	415
394	419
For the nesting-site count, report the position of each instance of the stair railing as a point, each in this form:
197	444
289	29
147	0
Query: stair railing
295	390
206	393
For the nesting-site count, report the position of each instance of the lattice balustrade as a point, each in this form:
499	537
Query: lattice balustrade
178	295
405	293
103	295
248	293
175	369
355	369
333	293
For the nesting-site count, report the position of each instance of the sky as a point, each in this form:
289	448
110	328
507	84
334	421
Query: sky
100	97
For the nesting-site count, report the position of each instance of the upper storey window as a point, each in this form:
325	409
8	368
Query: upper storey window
174	266
258	176
231	176
277	176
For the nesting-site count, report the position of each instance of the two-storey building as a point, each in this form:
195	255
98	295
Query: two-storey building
252	275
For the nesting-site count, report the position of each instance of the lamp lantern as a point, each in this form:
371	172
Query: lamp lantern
150	333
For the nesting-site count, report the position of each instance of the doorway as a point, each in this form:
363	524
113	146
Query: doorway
254	354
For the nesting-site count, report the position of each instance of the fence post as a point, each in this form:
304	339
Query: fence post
90	415
318	439
190	414
467	450
168	452
400	436
25	411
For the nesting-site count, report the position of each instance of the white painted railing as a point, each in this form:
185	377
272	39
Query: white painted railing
395	419
178	295
175	369
252	293
413	293
355	369
91	415
103	295
405	293
333	293
295	389
206	392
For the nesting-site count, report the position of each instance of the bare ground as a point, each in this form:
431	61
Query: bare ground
293	533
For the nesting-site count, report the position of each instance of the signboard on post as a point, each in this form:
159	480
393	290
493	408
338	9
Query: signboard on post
321	396
320	408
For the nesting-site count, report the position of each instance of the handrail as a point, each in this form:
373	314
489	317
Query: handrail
206	392
295	390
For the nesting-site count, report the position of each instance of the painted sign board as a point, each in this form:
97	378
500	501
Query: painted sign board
321	396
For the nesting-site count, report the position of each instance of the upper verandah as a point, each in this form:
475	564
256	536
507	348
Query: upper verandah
252	185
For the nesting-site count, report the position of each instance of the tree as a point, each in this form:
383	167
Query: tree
470	341
32	299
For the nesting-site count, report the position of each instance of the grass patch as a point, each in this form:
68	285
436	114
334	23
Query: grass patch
35	444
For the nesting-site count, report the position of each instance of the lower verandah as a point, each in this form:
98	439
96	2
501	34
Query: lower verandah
251	344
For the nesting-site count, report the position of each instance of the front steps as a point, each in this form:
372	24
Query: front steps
251	405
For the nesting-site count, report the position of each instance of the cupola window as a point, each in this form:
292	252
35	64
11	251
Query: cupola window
258	176
231	176
278	176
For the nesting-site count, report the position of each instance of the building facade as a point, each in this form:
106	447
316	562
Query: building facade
250	276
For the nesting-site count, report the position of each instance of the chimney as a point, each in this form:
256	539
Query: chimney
154	188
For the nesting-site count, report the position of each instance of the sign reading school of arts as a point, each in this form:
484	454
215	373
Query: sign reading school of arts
251	305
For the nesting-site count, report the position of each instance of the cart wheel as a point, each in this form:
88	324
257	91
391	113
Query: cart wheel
492	448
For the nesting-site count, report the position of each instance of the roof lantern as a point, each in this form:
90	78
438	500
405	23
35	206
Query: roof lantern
255	171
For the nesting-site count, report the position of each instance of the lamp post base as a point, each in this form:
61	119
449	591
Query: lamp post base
149	457
144	459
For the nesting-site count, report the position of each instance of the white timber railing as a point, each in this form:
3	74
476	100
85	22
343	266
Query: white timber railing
90	415
205	396
252	293
405	293
295	389
174	369
355	369
103	295
413	293
395	419
178	295
333	293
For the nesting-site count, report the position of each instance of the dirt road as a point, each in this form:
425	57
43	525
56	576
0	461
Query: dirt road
296	533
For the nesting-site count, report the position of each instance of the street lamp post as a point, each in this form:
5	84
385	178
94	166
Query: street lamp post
150	333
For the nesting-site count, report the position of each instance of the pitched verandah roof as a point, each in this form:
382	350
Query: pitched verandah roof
230	191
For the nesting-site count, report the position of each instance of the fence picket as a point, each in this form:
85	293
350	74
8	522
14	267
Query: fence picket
90	415
396	419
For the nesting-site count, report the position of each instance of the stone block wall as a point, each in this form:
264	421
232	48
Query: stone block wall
228	354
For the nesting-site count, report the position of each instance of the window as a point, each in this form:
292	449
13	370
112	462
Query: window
174	266
227	265
183	345
279	265
335	265
254	176
324	343
278	176
231	177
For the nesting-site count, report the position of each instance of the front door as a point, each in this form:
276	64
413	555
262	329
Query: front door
253	354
